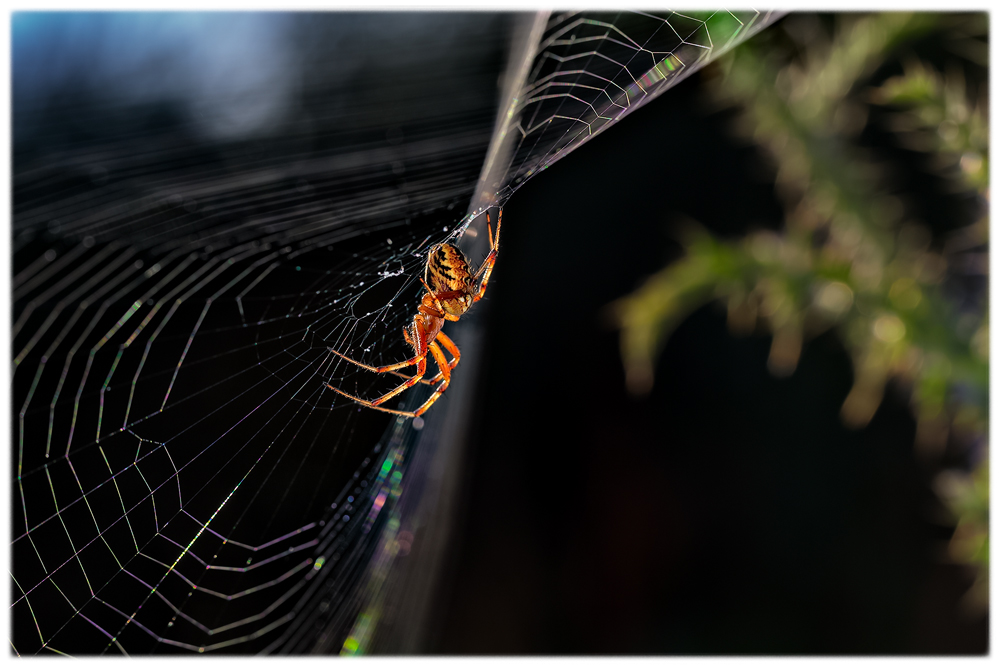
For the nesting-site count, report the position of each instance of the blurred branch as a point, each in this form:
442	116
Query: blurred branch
847	258
968	497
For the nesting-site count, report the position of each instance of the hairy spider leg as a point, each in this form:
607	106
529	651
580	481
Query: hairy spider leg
490	259
421	369
420	348
442	363
449	345
445	371
437	304
382	369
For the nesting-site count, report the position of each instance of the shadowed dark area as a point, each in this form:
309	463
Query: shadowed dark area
728	512
260	189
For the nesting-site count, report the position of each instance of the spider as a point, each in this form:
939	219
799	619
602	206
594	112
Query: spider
451	291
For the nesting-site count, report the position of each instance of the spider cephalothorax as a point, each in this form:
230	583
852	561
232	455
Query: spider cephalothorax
451	291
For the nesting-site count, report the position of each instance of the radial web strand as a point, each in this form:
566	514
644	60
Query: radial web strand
196	224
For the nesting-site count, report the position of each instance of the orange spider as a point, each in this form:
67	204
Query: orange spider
451	291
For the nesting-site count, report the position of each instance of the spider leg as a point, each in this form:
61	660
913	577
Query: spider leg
493	242
442	315
378	407
437	304
419	347
491	259
383	369
421	369
433	380
449	345
438	310
445	372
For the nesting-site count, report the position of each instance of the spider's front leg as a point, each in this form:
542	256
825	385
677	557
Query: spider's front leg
446	375
438	310
383	369
487	266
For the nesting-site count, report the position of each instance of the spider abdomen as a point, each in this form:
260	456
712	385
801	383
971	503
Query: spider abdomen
448	273
448	269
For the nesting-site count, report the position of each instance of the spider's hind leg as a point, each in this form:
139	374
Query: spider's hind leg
374	407
409	337
382	369
444	373
442	363
449	345
421	370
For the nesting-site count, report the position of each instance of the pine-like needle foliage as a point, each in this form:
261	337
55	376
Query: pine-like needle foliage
908	302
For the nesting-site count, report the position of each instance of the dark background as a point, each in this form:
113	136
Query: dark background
728	512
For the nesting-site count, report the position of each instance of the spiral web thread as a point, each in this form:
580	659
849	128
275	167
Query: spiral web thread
183	478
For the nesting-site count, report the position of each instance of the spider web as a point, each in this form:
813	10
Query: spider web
197	221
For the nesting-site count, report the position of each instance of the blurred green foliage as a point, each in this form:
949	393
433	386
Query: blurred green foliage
850	257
